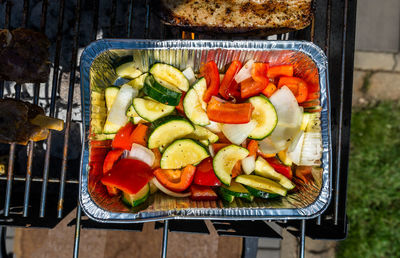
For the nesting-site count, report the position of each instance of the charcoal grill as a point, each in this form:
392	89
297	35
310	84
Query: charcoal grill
33	192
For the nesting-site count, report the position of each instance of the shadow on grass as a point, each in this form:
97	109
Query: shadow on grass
373	202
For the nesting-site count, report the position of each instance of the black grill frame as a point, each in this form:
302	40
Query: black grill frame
332	29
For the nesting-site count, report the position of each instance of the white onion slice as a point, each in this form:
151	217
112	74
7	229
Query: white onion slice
267	146
249	164
295	148
237	133
142	153
122	102
214	127
312	149
245	72
189	74
167	191
211	150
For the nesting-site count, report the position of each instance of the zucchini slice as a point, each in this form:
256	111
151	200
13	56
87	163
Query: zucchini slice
170	75
167	129
265	115
236	190
284	158
133	116
111	94
97	98
203	135
261	193
193	108
138	82
263	168
161	91
140	197
128	70
225	160
103	137
151	110
261	183
200	87
96	126
183	152
225	196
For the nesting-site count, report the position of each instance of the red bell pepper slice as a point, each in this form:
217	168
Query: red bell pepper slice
202	193
237	169
139	135
98	154
211	73
304	173
252	147
269	90
121	139
296	85
280	70
280	168
217	146
176	180
259	73
228	87
111	158
128	175
100	144
205	174
225	112
180	105
250	87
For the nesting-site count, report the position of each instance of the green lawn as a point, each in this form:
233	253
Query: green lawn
373	198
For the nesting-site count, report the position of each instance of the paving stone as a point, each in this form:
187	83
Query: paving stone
397	67
265	253
384	86
358	80
374	61
269	243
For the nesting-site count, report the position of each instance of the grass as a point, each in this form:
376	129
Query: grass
373	204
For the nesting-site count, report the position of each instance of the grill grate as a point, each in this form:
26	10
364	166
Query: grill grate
31	199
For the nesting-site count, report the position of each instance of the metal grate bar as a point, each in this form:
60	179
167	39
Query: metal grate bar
7	17
130	19
95	19
165	240
10	170
39	179
52	106
302	238
342	82
31	143
77	231
113	17
69	109
25	14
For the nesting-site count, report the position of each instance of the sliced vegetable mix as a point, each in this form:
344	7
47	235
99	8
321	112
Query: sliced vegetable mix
204	135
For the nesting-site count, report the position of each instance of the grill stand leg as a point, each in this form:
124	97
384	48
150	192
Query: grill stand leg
3	250
77	231
302	238
165	240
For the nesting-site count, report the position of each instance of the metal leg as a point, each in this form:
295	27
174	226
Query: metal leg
302	238
77	231
3	250
165	240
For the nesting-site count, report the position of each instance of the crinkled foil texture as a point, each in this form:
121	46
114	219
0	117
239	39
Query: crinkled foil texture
97	73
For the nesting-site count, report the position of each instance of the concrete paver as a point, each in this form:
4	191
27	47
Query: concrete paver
374	61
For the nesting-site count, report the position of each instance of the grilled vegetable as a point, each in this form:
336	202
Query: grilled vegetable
261	183
128	70
263	168
110	95
236	190
151	110
170	75
265	115
161	91
193	108
175	179
138	198
225	160
168	129
258	192
183	152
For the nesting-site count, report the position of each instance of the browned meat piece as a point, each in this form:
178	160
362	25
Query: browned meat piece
236	16
21	121
24	56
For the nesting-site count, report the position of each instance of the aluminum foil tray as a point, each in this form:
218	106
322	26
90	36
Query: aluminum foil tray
97	73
